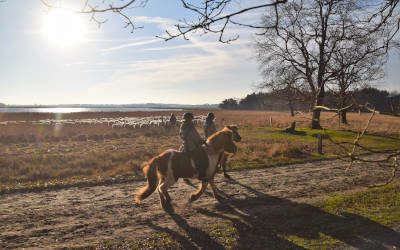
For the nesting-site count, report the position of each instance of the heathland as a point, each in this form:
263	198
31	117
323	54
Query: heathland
67	180
59	149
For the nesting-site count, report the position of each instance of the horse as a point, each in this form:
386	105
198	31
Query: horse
165	169
224	157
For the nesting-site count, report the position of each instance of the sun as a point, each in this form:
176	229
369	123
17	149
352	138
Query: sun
64	28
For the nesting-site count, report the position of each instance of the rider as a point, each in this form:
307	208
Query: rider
191	145
209	125
172	120
209	129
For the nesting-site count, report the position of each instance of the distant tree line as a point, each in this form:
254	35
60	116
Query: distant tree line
382	100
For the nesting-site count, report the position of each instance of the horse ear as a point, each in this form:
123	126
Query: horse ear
232	127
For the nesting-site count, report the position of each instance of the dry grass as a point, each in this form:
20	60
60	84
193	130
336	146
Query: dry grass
81	115
31	153
380	124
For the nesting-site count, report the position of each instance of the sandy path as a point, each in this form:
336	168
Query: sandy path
85	216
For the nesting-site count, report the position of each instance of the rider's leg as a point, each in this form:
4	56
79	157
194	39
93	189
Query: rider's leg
202	163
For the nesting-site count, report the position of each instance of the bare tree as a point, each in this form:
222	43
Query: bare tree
355	65
287	85
310	33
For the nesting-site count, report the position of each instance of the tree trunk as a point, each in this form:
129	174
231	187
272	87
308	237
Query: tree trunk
291	129
343	99
343	117
291	108
315	123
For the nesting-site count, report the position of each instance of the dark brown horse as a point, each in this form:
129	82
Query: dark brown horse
165	169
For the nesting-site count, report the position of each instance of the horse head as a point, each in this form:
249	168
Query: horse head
225	140
236	137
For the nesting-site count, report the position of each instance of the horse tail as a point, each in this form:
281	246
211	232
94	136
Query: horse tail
150	171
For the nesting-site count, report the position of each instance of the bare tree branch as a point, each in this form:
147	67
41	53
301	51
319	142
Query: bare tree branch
390	160
211	16
213	19
93	10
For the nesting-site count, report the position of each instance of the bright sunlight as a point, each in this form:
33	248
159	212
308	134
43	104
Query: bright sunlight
64	28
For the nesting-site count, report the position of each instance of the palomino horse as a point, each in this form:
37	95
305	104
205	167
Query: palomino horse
224	157
165	169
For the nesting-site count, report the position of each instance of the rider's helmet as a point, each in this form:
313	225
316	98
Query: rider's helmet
188	116
210	116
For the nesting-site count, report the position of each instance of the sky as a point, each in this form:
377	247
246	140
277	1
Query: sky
114	66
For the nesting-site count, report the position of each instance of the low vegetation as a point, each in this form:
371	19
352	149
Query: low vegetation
34	155
377	206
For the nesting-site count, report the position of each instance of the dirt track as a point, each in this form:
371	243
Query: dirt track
257	201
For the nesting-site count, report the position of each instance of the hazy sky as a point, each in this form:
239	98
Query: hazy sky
111	65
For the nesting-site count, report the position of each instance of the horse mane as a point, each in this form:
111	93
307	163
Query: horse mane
232	127
214	136
215	139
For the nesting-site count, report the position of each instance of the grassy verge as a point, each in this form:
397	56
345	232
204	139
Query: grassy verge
379	205
267	147
361	219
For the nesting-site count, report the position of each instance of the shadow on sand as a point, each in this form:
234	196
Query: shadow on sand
262	220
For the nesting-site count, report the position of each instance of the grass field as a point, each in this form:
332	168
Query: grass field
35	155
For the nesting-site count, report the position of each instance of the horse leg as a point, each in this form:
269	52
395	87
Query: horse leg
223	165
194	196
164	196
213	188
217	195
168	198
168	182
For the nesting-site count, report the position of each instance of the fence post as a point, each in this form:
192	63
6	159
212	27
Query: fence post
270	121
319	143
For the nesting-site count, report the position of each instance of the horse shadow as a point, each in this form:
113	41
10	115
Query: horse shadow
263	221
195	239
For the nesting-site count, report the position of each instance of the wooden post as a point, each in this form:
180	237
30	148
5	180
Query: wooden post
319	143
270	121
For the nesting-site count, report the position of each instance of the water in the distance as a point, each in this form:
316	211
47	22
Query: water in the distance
74	110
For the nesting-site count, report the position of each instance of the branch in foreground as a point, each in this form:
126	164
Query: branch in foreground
212	19
391	160
93	10
211	16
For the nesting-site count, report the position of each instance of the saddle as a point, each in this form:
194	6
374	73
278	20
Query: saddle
201	162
